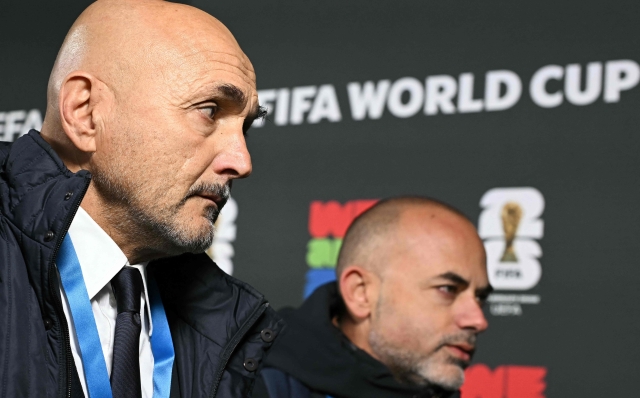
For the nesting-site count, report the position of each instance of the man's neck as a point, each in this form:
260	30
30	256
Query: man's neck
356	332
117	223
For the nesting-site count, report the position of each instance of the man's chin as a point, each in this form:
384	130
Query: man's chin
450	378
194	237
446	373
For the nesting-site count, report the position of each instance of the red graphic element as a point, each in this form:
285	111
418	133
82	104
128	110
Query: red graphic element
332	218
509	381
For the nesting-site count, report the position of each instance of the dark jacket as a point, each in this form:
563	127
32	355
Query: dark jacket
313	358
221	327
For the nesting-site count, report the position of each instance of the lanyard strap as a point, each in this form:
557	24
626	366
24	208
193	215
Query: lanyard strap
161	343
95	368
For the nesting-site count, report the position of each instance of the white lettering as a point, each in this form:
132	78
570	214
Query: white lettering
593	86
494	82
415	90
301	102
620	75
13	123
33	121
538	89
549	86
368	99
466	102
514	298
440	92
506	309
282	107
325	105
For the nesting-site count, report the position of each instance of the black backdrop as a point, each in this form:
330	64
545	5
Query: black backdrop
564	152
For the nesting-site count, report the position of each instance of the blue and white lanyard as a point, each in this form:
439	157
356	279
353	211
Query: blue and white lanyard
95	368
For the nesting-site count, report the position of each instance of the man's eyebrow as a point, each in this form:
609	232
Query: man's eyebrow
453	277
231	92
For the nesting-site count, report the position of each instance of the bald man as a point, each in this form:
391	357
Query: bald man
403	317
105	214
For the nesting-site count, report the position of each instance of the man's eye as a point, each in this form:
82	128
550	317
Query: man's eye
449	289
209	111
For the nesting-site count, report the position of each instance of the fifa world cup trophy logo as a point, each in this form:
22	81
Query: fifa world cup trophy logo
511	216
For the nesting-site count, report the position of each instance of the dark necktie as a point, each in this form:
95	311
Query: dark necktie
125	371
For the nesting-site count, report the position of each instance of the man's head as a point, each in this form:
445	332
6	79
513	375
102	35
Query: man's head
153	98
412	274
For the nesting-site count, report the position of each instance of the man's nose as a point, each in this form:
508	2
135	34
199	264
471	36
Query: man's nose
233	159
471	316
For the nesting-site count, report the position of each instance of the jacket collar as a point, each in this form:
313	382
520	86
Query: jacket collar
202	295
38	197
211	313
317	353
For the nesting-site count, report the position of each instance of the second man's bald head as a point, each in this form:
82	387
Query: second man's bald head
373	236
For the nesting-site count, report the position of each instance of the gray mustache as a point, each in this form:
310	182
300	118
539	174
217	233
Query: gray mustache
452	339
221	191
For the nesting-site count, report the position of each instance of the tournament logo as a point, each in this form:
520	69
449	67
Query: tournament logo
328	223
511	226
221	251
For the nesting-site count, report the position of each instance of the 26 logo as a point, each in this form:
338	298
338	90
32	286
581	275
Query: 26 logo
510	225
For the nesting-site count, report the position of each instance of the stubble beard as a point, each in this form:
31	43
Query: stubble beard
131	208
411	367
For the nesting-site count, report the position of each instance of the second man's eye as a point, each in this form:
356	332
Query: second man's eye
450	289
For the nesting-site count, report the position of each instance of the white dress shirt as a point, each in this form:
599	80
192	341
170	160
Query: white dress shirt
100	260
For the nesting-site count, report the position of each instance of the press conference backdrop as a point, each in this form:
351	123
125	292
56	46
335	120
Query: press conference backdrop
524	115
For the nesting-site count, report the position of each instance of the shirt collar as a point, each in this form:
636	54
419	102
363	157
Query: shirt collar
100	257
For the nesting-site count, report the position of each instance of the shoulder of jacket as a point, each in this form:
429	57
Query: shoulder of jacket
5	147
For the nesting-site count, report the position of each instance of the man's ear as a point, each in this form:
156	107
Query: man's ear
359	289
77	99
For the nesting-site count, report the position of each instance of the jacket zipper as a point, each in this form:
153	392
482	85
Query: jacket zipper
231	347
55	291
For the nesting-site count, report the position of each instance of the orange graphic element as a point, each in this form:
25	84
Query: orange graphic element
332	218
509	381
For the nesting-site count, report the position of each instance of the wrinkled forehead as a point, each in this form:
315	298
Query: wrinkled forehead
188	62
144	42
429	247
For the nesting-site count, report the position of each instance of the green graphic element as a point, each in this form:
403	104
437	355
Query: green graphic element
323	253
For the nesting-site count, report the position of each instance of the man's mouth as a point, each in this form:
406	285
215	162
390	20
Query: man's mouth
217	200
461	351
215	193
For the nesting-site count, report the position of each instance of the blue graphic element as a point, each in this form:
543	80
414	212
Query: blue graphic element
318	277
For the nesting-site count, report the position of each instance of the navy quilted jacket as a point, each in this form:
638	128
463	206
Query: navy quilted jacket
221	327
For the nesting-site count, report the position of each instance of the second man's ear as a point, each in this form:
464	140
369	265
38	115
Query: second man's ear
359	288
